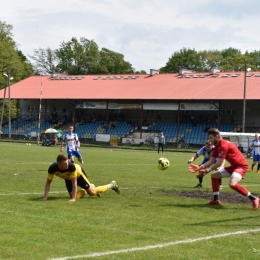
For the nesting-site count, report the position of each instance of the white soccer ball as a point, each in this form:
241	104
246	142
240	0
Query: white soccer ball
163	163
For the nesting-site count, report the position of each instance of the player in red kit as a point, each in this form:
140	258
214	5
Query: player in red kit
236	170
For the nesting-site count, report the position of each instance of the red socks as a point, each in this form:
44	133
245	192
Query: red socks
240	189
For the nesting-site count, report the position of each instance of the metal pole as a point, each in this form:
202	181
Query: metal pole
3	108
39	119
244	102
9	105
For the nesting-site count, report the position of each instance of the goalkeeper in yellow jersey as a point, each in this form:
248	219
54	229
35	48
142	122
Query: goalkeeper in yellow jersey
74	176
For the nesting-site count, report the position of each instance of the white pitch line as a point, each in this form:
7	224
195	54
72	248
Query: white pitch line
31	193
123	188
134	249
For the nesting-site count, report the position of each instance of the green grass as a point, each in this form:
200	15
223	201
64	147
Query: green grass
142	215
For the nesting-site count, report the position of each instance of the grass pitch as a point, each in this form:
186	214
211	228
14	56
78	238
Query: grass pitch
146	221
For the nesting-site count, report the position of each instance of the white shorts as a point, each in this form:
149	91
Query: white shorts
226	174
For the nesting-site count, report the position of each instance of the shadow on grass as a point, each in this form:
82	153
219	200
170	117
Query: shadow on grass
225	221
201	205
49	198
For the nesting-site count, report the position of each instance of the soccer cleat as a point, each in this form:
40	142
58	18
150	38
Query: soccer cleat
81	193
115	187
213	202
255	203
198	186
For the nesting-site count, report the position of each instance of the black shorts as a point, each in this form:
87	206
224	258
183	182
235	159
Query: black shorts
82	181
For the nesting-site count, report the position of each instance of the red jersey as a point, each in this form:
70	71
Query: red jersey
229	151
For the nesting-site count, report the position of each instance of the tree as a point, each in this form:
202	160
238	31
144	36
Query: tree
45	61
78	57
113	63
205	60
230	52
180	59
12	61
255	59
140	72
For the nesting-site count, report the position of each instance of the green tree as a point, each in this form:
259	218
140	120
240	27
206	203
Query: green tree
255	59
235	63
140	72
180	59
12	61
230	52
45	61
113	63
78	57
205	60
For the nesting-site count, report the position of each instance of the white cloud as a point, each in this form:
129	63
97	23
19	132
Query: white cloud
147	32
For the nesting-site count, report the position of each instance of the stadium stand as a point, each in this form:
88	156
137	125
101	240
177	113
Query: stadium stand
89	130
191	134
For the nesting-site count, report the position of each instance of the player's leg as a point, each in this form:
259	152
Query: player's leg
159	147
91	190
234	184
79	156
70	156
199	185
254	162
258	167
162	148
258	163
220	183
215	187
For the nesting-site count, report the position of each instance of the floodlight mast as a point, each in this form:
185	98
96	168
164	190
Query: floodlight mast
39	116
7	75
244	99
3	108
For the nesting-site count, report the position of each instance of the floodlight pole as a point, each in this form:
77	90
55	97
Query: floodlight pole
3	108
39	116
9	102
244	99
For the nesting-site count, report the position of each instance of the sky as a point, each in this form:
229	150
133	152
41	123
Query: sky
146	32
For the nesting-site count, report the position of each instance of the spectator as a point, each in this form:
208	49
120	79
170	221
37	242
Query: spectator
232	119
161	142
249	152
70	117
206	129
240	148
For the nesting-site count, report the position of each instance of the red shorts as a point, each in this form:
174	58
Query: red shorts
238	169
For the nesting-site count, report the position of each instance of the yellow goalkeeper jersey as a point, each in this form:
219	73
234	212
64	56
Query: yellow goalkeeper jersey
73	171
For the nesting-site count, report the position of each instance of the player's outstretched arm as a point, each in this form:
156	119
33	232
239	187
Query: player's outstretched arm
73	194
192	159
47	189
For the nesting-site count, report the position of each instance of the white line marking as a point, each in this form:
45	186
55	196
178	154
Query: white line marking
96	254
30	193
123	188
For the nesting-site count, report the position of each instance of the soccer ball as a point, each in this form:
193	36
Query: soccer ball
163	163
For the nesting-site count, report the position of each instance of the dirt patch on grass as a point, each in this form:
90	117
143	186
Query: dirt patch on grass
224	196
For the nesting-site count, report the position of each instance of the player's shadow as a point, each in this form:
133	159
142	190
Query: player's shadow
223	222
49	198
216	207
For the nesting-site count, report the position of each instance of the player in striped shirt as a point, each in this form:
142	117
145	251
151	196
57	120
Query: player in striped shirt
206	151
256	153
72	145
